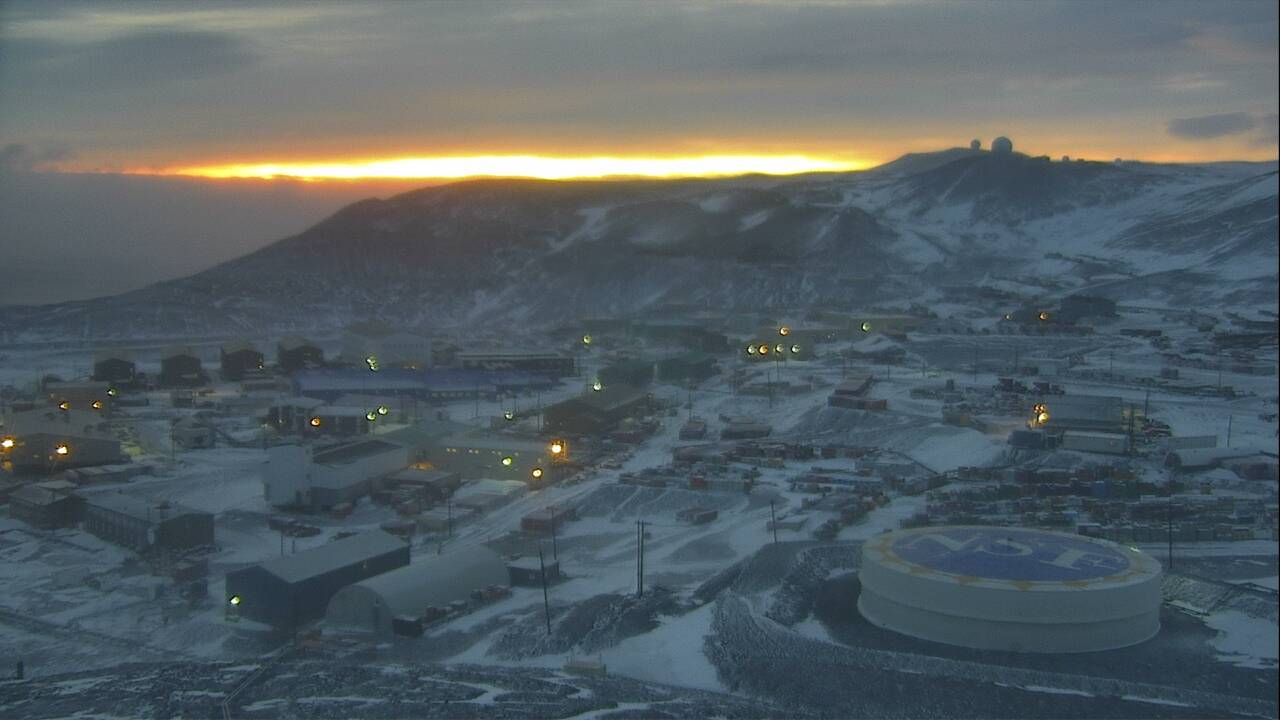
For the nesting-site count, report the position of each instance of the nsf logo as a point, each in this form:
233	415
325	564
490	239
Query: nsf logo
1010	554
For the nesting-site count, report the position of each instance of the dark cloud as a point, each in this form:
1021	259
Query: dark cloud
21	157
1207	127
134	60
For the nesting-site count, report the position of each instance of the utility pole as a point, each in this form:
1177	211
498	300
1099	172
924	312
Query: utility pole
448	504
1111	368
773	522
546	601
1169	519
640	558
975	365
554	552
1146	405
1229	419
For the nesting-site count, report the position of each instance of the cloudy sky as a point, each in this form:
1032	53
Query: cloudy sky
159	87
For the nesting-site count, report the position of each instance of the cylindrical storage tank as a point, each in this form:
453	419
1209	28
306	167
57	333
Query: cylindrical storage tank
1013	589
373	604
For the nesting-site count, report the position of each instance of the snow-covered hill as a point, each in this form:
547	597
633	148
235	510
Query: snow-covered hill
508	252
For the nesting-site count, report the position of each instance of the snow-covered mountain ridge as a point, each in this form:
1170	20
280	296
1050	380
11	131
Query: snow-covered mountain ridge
513	251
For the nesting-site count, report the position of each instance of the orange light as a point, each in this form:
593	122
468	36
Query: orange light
784	331
536	473
8	443
533	166
97	405
62	449
315	422
764	349
64	405
1044	315
557	447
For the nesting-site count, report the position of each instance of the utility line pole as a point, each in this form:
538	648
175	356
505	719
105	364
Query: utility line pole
546	602
773	522
640	558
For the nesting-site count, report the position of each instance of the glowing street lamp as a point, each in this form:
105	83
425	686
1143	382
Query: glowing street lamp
97	405
597	386
865	326
507	461
62	449
751	349
764	349
536	473
586	339
371	416
784	331
779	348
372	362
8	443
557	447
234	600
64	406
383	409
509	414
112	392
1044	316
315	422
795	349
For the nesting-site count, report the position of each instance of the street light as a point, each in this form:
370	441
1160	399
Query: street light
64	406
795	349
8	443
315	422
597	386
234	600
383	409
764	349
536	473
557	447
586	339
62	449
506	461
112	392
751	349
372	362
1044	316
97	405
866	326
371	416
784	331
509	414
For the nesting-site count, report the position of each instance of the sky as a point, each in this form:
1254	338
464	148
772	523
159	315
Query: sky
652	87
134	137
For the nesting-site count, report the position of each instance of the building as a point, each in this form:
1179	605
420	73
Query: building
293	590
295	353
397	601
486	455
851	393
292	415
542	363
636	373
686	334
52	440
1087	413
390	347
596	412
181	367
488	494
44	507
190	433
239	358
529	571
115	367
441	385
547	520
434	484
1105	443
141	525
95	396
335	421
689	367
1191	459
297	476
1010	589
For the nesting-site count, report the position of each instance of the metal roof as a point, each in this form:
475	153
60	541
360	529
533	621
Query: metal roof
1085	407
138	508
436	580
343	453
333	556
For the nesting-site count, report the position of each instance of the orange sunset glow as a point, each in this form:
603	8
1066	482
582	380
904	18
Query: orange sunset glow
529	166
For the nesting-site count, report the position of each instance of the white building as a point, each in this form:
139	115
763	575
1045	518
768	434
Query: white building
295	476
1010	589
373	605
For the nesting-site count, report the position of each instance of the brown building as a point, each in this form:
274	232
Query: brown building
238	359
114	366
50	440
181	367
44	507
296	353
143	525
596	412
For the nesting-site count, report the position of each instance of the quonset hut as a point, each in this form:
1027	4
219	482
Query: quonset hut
396	601
289	591
1010	589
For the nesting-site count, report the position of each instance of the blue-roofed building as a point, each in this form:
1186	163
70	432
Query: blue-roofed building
437	384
